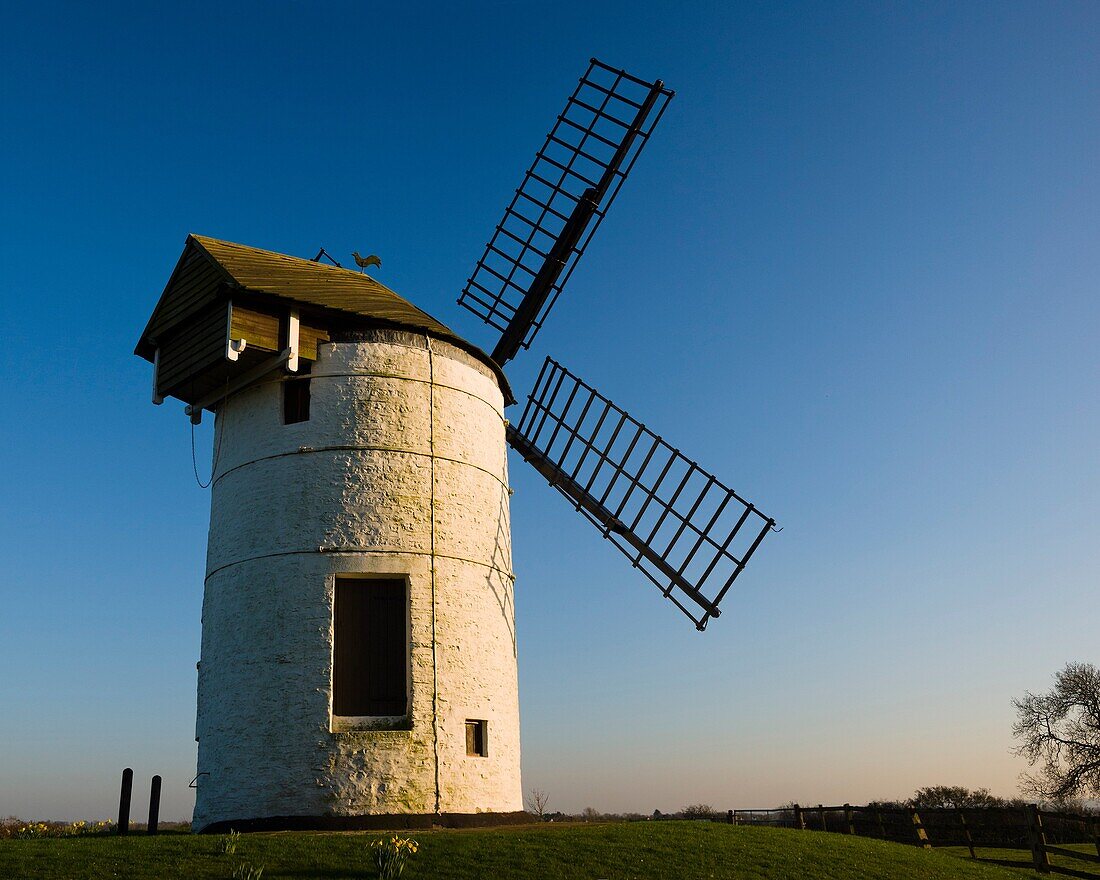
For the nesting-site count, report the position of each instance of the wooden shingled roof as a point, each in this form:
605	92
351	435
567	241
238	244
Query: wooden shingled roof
210	268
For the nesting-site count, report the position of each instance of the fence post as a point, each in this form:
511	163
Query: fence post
881	827
1037	839
848	818
966	833
154	806
800	821
918	826
821	814
124	801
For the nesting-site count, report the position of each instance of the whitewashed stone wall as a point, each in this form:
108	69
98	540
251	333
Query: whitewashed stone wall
403	455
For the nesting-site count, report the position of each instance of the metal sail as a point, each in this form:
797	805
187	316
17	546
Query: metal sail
687	532
564	197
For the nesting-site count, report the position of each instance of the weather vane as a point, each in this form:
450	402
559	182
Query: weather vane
364	262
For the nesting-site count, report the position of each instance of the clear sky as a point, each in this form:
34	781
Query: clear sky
854	274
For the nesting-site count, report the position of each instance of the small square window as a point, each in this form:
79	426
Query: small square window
477	740
296	400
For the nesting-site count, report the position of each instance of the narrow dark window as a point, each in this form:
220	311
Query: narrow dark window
296	399
369	670
476	740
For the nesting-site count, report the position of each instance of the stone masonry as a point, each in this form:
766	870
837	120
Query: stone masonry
400	471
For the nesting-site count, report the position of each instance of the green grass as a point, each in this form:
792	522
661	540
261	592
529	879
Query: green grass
639	851
1021	858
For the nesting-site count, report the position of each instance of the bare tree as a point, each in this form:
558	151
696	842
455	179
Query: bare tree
537	802
1060	731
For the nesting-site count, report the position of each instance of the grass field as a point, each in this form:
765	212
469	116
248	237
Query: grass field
639	851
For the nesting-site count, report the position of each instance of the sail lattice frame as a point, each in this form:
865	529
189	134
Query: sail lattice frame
682	527
564	196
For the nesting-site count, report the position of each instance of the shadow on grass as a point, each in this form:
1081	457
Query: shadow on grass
1004	863
1027	864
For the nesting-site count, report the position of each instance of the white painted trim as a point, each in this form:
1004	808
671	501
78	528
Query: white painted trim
292	336
232	349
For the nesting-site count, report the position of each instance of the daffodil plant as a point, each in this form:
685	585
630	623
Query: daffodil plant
390	855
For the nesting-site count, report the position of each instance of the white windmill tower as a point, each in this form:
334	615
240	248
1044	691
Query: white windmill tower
358	661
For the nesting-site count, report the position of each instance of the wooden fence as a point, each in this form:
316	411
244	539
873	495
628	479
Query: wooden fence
1043	832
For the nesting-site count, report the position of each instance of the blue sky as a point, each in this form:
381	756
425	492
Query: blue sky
854	274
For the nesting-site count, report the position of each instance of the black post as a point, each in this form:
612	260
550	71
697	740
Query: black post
729	817
154	806
124	801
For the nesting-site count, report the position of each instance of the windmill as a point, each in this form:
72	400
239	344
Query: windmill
358	662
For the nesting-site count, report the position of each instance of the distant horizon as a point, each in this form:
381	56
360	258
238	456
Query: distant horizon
140	801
